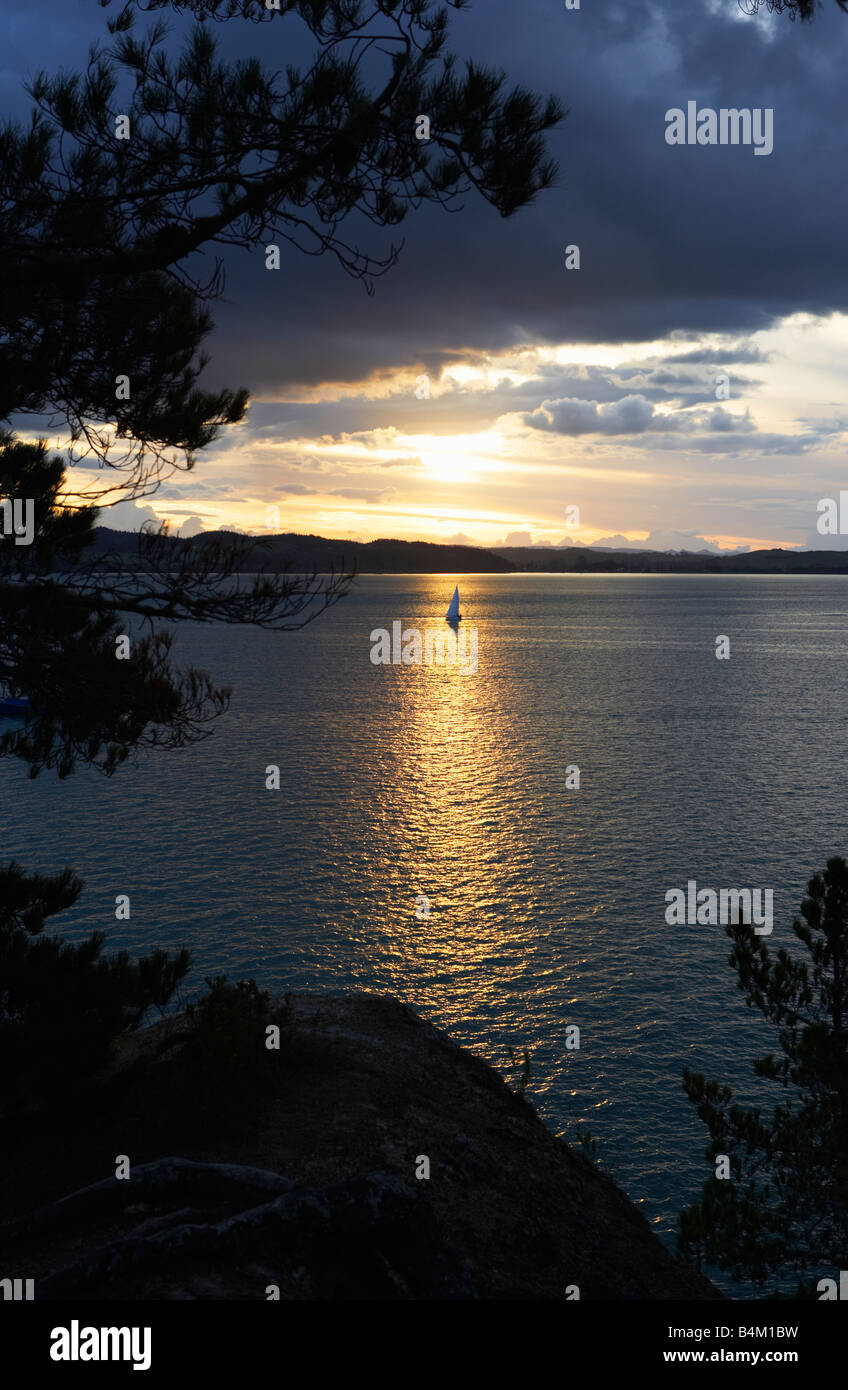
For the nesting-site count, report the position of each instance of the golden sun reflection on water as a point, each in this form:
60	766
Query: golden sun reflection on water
449	823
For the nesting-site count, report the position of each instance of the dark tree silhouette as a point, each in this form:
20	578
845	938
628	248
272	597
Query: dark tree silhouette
61	1005
785	1207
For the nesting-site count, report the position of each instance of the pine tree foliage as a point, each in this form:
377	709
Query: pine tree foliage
784	1209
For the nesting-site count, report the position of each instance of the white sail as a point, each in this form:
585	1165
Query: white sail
452	614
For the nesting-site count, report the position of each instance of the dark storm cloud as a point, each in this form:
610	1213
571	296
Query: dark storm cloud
673	239
681	239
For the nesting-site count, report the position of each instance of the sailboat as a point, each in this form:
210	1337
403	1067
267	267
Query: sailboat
453	614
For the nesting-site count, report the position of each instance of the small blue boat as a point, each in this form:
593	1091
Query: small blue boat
14	708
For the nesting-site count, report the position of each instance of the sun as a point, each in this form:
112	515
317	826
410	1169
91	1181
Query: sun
447	465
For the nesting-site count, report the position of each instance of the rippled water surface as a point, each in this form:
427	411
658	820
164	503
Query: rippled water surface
546	904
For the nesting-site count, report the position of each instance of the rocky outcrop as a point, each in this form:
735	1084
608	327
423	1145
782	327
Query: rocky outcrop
326	1196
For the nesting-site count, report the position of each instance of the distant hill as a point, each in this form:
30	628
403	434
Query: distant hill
298	553
582	559
302	552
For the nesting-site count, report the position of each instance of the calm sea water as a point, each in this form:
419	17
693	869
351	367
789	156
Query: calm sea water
546	904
